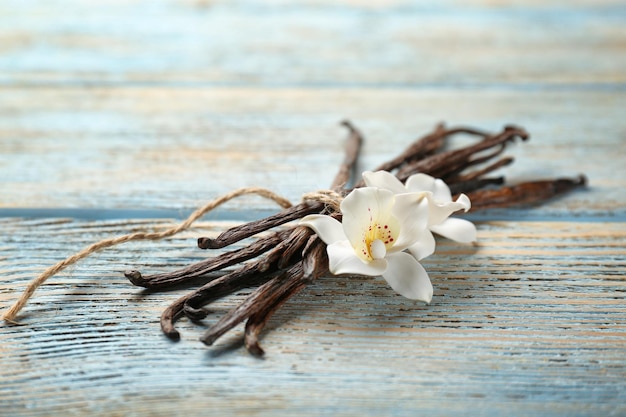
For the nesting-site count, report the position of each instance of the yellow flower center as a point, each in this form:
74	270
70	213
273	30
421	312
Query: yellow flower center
377	239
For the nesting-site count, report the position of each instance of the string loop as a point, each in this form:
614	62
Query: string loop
330	198
10	314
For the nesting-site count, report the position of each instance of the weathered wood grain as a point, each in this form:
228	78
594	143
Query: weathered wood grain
124	107
532	320
315	43
175	148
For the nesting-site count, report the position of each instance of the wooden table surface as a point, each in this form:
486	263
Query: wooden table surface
125	115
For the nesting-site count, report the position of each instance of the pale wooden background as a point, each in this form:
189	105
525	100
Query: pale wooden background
117	116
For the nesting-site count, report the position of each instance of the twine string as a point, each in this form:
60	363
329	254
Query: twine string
9	314
330	198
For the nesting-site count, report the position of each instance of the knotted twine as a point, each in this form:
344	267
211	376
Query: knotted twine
330	198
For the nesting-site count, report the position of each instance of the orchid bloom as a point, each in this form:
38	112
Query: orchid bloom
440	204
377	226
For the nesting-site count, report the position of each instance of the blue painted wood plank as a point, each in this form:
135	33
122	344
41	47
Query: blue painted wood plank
138	109
316	44
532	320
175	149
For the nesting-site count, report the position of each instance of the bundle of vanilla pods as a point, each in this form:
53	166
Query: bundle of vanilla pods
281	263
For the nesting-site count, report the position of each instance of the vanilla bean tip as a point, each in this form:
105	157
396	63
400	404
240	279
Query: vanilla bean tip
347	123
171	332
254	348
205	243
208	339
195	314
135	278
168	317
519	131
566	184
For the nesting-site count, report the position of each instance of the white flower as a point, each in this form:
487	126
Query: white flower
440	202
376	228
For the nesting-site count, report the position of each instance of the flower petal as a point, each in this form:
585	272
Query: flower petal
459	230
439	210
361	208
343	260
425	246
385	180
378	249
412	211
464	202
327	228
423	182
407	277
